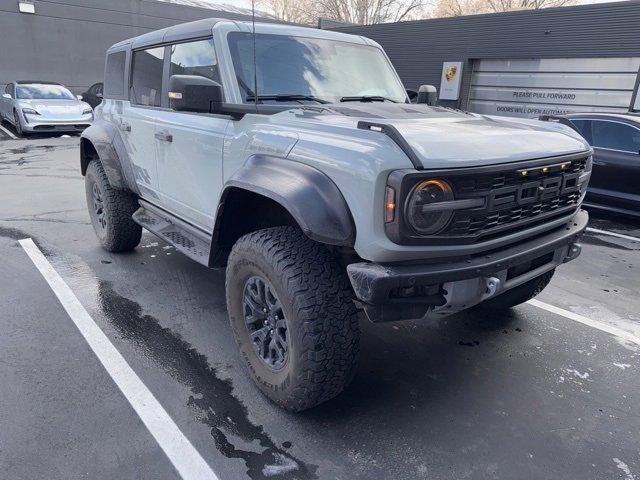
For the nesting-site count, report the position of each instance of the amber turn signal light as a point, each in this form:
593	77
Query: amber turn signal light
389	205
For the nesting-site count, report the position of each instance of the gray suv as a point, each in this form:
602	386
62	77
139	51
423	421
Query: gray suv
292	157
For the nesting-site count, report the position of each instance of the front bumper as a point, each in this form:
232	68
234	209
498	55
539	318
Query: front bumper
396	292
39	123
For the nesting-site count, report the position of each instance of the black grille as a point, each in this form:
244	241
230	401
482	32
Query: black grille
509	202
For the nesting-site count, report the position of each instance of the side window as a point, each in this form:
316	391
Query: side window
114	73
584	126
194	58
146	76
616	136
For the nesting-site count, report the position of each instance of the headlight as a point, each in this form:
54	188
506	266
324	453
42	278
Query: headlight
423	219
87	111
30	111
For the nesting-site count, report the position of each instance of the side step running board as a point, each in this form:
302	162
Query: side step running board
186	238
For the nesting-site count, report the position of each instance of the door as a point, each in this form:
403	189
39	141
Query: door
190	145
138	120
616	162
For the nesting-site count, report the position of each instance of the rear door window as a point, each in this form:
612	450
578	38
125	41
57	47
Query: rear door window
616	136
195	58
114	73
146	77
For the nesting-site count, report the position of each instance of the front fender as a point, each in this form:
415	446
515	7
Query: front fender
310	197
110	149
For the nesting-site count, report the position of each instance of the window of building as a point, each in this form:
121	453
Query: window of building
146	76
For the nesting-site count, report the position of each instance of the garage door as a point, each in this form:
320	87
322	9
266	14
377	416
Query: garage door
528	88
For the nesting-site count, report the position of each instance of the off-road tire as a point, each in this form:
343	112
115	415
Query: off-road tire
119	233
519	294
316	298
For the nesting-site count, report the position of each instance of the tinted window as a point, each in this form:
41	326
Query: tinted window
326	69
616	136
194	58
43	91
114	73
146	76
585	129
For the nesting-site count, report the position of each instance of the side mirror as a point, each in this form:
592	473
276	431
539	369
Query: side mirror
79	97
413	95
193	93
7	96
427	94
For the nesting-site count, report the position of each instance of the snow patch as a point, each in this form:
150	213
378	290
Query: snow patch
583	376
625	468
283	465
621	366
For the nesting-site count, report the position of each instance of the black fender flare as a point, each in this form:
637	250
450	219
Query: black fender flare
310	197
107	143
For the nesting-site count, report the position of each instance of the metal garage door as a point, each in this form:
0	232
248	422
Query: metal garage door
527	88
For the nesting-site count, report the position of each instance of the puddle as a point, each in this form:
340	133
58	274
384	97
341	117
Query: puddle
212	398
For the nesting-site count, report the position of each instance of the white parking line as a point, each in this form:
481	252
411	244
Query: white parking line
586	321
8	132
182	454
613	234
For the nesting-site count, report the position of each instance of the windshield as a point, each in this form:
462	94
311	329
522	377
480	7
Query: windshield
328	70
43	91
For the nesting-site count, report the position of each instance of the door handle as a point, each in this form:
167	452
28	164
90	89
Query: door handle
125	126
164	136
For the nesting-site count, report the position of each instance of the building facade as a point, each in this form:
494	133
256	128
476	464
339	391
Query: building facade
65	40
523	63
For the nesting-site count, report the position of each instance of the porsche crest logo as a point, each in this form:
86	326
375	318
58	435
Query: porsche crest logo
450	72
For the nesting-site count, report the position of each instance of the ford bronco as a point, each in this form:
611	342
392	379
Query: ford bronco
293	158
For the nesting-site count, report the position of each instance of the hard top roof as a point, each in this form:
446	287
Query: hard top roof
202	28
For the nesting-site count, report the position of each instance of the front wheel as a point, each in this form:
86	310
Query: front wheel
291	311
17	125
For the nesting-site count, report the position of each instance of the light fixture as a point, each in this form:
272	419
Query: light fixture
26	7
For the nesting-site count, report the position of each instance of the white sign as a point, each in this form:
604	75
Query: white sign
556	86
450	81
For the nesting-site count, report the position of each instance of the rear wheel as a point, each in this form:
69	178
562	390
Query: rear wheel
519	294
291	311
110	211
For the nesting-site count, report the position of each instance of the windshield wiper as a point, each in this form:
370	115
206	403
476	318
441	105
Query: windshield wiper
286	98
367	98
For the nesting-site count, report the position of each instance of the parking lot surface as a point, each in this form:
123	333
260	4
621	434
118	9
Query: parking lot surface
532	394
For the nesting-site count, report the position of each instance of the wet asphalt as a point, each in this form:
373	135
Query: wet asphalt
527	395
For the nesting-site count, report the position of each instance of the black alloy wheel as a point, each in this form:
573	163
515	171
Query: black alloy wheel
265	322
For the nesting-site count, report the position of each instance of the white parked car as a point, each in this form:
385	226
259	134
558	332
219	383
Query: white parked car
34	106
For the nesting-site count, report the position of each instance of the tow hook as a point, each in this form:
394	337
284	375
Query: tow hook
492	286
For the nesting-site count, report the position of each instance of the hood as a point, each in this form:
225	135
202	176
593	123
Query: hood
445	138
60	109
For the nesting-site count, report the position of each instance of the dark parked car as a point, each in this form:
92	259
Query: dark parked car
93	95
615	180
